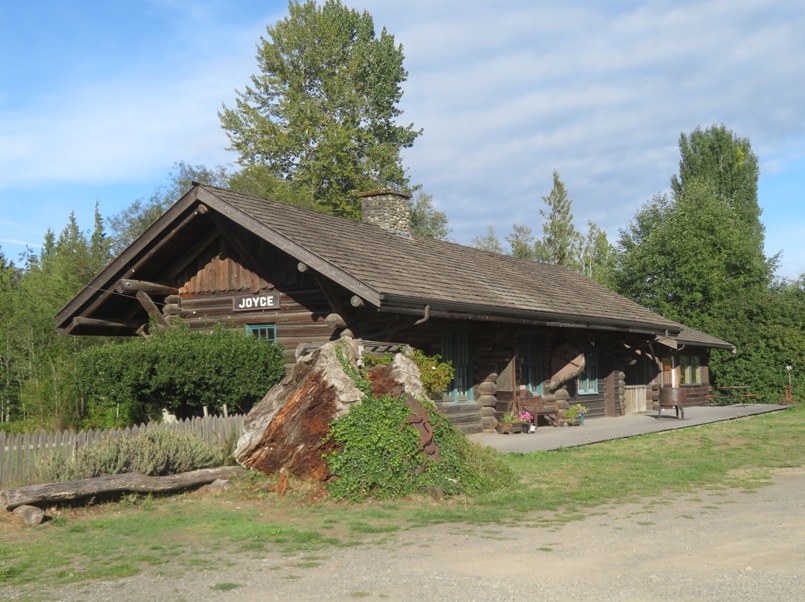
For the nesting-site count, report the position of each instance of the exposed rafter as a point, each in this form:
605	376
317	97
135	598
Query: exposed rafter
125	285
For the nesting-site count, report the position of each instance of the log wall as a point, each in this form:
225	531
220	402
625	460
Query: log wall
208	286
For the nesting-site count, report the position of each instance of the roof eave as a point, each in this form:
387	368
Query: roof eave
472	311
93	294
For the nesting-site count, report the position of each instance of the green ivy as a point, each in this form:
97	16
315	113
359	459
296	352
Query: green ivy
379	454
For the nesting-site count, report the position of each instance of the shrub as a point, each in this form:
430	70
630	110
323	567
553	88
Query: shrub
435	373
156	452
128	383
378	453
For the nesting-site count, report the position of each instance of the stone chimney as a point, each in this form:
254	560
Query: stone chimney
388	209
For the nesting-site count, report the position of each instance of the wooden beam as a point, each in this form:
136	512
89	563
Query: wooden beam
356	302
329	294
335	320
161	242
125	285
149	306
136	247
98	323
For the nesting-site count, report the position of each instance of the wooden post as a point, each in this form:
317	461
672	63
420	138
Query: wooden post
151	308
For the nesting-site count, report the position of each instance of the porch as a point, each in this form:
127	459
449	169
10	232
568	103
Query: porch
596	430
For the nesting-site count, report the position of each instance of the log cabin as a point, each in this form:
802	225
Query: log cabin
511	328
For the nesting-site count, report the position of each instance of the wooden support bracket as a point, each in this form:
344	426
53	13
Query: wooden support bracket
149	306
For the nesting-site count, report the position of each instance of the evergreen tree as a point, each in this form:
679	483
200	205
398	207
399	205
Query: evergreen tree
35	361
561	242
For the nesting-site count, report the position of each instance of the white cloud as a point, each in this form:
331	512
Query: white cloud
506	92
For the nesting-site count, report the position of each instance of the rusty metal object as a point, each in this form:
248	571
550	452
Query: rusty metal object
673	397
418	418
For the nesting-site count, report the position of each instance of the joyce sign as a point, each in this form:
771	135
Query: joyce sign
255	302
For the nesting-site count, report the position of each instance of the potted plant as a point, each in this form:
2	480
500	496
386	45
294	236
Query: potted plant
527	420
507	424
575	414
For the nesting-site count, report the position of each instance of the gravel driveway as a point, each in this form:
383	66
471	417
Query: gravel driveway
713	545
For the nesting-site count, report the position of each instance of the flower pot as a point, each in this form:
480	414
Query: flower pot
509	428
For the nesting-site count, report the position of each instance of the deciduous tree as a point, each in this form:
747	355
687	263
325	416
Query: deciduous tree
321	114
521	242
488	242
598	256
425	219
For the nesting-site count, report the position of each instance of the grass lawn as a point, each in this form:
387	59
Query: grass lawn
175	533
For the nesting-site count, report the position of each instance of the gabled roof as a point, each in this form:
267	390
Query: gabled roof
392	272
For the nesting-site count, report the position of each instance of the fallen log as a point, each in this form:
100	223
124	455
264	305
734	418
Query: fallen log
54	493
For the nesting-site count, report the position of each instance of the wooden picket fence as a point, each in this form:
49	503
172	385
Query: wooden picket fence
19	451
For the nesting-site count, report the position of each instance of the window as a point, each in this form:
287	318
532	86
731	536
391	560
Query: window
667	372
530	355
690	372
264	332
587	381
456	349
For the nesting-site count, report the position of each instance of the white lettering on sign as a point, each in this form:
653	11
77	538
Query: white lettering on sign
255	302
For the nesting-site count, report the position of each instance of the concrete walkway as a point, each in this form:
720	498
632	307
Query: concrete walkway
596	430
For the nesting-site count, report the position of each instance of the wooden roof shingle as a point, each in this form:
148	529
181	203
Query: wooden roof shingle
394	272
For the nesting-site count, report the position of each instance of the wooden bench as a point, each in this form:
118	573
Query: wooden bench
537	406
733	392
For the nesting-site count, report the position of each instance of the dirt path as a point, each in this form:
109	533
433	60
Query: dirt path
714	545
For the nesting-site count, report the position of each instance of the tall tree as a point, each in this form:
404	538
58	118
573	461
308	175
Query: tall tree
727	163
598	256
697	257
561	242
685	258
321	115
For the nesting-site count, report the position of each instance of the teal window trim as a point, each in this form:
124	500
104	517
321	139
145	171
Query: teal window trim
264	332
456	350
531	359
587	381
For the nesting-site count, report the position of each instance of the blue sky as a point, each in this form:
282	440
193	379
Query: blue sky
99	99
